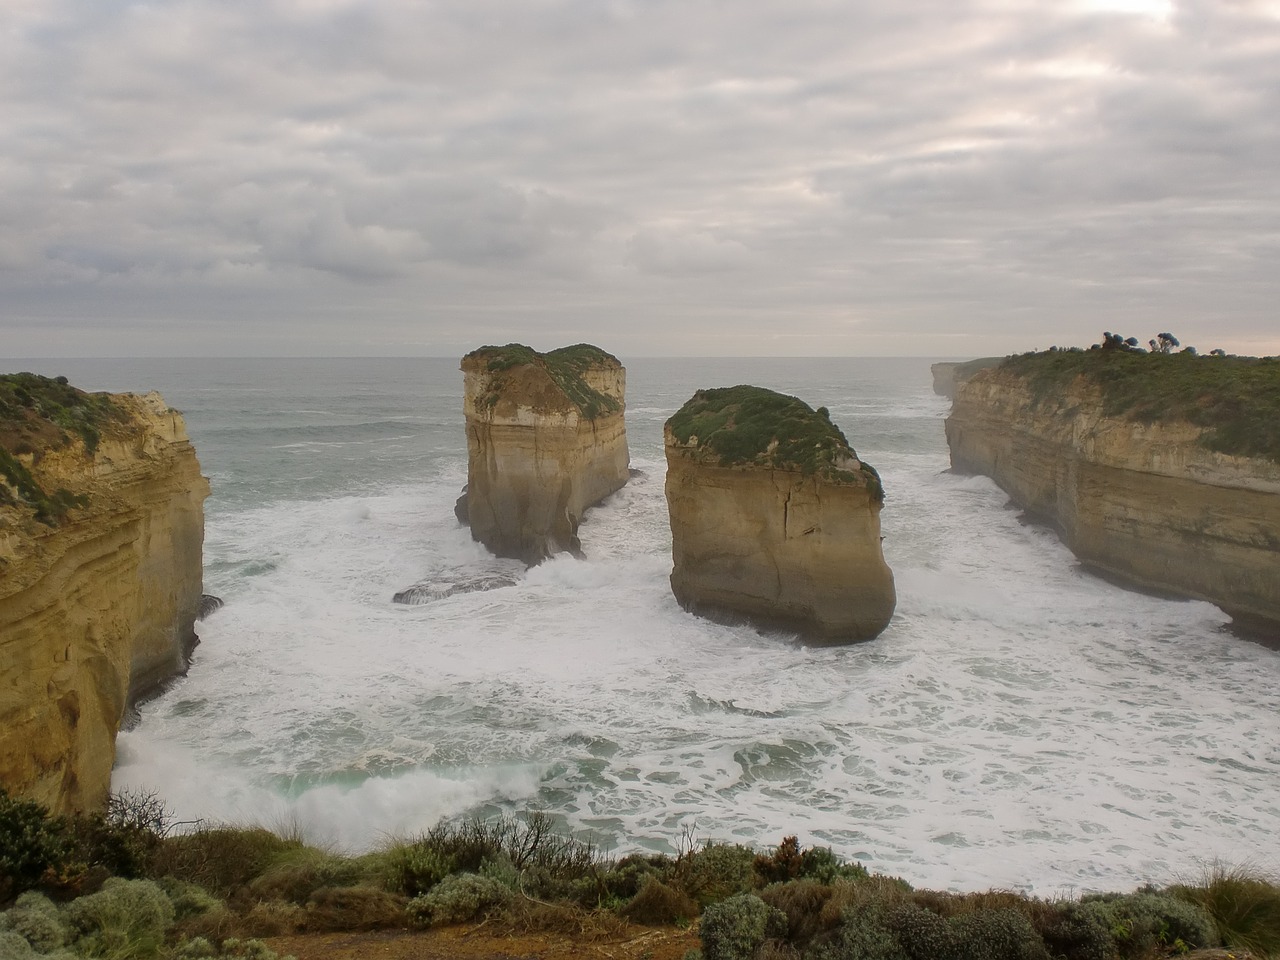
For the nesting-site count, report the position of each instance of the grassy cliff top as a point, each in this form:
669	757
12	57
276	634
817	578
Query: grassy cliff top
566	366
752	425
41	413
1235	399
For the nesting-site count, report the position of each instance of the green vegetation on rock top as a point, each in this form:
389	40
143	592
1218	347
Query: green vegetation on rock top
1235	399
39	413
566	367
752	425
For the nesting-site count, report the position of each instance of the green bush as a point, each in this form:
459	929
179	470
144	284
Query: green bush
36	919
296	873
414	868
31	842
1243	905
862	935
734	929
656	904
996	935
354	908
458	898
123	920
221	859
717	871
1076	932
200	948
188	899
923	934
1143	922
14	947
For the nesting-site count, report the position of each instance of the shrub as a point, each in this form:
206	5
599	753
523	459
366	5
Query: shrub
271	918
1143	922
801	901
297	873
221	859
415	868
657	904
354	908
14	947
716	872
1003	934
125	919
1077	933
1244	907
36	919
863	935
920	932
31	842
188	899
735	928
821	864
124	839
456	899
200	948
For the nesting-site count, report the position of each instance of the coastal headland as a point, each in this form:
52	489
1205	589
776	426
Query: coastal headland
1160	469
101	534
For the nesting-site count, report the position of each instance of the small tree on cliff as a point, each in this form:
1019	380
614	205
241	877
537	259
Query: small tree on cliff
1164	343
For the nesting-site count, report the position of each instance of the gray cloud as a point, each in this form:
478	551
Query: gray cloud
347	176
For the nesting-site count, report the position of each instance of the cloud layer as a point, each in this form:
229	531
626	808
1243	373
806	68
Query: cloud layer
658	176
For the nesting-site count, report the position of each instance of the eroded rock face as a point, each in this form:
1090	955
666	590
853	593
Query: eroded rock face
758	534
546	440
97	607
949	374
1145	502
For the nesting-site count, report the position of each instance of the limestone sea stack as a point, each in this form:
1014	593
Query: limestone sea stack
101	536
1160	469
774	517
546	439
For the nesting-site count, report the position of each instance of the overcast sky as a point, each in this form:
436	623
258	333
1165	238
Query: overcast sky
660	177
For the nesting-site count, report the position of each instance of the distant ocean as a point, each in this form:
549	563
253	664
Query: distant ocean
1020	724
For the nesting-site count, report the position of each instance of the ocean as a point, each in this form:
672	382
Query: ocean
1021	723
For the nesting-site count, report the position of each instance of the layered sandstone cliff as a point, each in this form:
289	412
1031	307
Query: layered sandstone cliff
774	517
546	440
101	532
1137	493
950	374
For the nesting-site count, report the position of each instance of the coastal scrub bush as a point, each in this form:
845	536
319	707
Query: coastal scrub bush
354	908
1244	906
458	898
31	842
295	874
414	868
716	871
1004	934
801	902
1144	922
220	859
14	947
123	920
201	948
735	928
1076	932
657	904
125	838
36	919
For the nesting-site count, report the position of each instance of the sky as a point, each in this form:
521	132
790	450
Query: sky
948	178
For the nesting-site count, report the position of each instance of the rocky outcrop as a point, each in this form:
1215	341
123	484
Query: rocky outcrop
546	440
774	518
1140	498
949	375
101	533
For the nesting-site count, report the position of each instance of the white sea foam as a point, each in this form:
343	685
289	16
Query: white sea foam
1021	723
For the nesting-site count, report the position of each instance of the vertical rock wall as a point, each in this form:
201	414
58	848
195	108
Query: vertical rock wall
99	609
1145	502
546	439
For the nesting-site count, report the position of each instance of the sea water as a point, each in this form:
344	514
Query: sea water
1021	723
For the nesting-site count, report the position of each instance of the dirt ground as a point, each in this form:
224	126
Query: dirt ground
479	943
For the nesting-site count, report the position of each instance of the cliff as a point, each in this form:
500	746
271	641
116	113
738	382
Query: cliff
774	517
101	531
1162	470
546	440
949	375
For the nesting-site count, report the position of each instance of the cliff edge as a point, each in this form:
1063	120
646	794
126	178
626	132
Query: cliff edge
1160	469
774	517
546	439
950	374
101	535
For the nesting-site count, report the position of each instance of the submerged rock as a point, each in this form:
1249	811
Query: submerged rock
545	440
774	517
429	590
208	604
101	534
